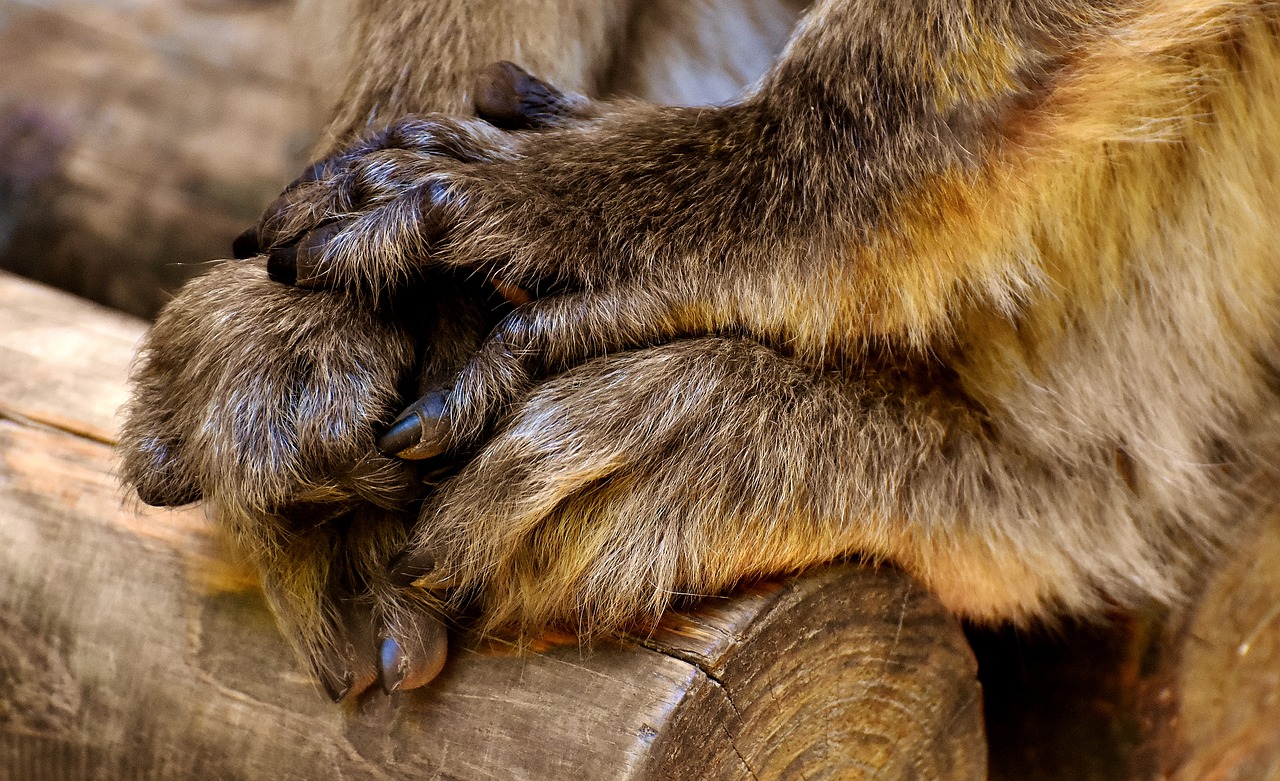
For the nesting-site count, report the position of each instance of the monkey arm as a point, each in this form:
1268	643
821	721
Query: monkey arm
864	152
875	187
683	469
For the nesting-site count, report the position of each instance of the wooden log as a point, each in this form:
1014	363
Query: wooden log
1191	694
133	646
137	139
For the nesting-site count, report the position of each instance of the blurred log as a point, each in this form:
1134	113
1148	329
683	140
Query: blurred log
1187	695
132	646
137	139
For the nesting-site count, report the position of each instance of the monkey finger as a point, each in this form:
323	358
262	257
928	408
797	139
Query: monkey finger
436	135
421	431
269	231
301	263
511	98
292	214
413	652
379	251
246	245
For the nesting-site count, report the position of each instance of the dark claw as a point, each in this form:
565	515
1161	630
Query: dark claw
403	434
282	265
421	431
246	244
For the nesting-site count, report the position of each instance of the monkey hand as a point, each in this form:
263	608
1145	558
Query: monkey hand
264	400
628	224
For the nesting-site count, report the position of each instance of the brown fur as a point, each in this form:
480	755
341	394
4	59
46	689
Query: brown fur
988	290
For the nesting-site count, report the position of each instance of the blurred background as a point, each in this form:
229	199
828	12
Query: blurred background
138	137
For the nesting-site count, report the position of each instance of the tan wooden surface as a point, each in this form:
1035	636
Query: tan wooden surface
132	646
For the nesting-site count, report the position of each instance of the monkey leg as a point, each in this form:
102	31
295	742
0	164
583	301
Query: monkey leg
681	470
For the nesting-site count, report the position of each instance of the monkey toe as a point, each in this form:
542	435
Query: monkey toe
346	667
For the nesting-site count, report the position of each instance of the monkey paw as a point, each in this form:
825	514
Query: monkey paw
369	216
601	219
263	400
257	396
618	487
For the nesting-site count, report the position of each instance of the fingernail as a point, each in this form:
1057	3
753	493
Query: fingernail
404	433
392	665
246	244
422	431
282	265
407	569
